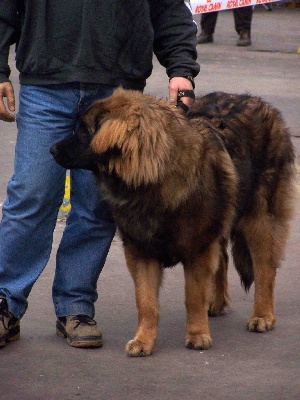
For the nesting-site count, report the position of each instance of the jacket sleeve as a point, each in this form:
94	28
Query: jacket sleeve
175	37
9	25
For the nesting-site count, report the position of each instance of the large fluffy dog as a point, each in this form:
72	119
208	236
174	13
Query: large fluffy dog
180	187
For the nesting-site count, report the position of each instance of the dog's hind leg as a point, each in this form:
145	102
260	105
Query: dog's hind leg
220	296
199	275
262	318
266	237
147	276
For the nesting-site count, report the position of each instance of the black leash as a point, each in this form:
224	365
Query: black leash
184	93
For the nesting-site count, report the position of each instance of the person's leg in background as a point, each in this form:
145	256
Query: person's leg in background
208	23
242	22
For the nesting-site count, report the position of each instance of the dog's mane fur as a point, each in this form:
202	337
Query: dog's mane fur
149	145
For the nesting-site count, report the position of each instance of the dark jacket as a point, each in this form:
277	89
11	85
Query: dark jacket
100	41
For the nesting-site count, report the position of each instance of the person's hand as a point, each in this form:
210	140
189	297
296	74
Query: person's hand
6	113
177	84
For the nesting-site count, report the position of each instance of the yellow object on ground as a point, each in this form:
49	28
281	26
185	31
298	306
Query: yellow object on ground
66	204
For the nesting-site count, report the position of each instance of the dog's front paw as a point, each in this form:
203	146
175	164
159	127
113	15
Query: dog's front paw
198	342
261	324
136	348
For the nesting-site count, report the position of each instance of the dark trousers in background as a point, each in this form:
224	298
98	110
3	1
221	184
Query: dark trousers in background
242	20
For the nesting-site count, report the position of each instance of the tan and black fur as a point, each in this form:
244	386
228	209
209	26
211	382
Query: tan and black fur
181	188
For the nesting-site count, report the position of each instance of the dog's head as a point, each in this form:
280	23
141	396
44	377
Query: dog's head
127	134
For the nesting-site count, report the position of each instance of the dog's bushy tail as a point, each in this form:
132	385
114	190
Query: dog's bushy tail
242	259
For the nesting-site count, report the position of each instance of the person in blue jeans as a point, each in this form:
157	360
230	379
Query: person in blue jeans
69	54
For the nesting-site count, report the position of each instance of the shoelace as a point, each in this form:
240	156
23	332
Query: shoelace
83	319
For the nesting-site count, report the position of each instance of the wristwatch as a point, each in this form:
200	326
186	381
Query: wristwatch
189	77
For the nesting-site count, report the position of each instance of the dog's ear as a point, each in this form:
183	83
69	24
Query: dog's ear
115	132
120	118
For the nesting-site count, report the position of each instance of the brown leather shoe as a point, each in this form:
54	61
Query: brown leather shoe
9	324
205	38
79	330
244	39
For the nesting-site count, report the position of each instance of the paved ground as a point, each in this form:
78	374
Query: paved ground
241	365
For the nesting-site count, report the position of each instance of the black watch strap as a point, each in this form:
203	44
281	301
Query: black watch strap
191	79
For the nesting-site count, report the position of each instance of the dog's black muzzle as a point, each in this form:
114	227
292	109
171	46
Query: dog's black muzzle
71	153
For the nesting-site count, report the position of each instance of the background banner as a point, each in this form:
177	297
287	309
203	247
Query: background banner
203	6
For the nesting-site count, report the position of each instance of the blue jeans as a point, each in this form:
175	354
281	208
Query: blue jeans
48	114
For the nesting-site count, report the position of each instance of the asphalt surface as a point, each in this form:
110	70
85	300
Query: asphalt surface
241	365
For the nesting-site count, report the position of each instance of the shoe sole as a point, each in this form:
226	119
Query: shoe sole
81	341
